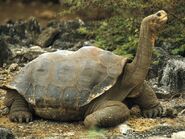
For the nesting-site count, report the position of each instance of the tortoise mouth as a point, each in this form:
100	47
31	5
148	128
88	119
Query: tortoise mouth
164	19
162	16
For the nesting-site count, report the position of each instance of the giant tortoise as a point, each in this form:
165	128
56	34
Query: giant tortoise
90	84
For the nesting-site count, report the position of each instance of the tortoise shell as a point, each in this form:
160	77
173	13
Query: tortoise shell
69	79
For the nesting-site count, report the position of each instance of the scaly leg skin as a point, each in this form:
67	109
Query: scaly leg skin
148	102
19	110
107	114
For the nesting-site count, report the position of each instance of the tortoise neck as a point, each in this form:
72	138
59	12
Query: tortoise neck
135	73
143	58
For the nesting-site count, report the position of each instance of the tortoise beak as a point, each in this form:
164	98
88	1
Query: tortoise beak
162	15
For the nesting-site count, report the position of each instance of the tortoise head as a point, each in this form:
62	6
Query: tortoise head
155	21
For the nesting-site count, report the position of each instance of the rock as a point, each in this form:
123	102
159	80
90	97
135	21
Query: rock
124	128
180	108
157	137
160	131
13	67
6	134
170	112
173	76
159	90
4	111
73	34
5	52
21	33
159	57
167	74
24	55
179	135
58	34
47	37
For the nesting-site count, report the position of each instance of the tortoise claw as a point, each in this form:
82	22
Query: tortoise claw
20	116
20	120
154	112
27	120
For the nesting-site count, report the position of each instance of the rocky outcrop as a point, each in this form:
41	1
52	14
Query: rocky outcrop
20	33
72	34
173	75
160	56
6	134
167	73
47	37
5	52
24	55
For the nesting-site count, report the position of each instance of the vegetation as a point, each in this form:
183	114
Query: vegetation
120	20
119	35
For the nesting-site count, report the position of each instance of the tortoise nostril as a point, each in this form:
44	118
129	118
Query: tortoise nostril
159	14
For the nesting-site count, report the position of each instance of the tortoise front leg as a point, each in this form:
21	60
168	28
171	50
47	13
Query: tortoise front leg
19	110
148	102
107	114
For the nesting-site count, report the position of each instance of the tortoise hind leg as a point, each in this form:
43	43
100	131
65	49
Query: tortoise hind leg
19	110
108	114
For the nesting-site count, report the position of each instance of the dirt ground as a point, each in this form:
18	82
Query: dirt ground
40	128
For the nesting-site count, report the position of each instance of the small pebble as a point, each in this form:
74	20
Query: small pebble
179	135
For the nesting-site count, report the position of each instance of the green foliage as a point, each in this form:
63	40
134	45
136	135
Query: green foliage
118	34
179	51
120	21
83	30
128	49
89	7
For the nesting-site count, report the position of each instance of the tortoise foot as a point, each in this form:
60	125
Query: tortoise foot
153	112
20	116
107	114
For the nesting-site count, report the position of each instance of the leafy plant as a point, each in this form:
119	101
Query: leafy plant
120	20
118	34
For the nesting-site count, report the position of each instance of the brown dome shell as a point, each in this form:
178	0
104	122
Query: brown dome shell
68	79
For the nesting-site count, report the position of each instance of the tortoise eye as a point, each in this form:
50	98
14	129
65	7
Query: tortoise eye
159	14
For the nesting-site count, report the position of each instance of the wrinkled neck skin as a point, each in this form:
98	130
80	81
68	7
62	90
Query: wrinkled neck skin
135	73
